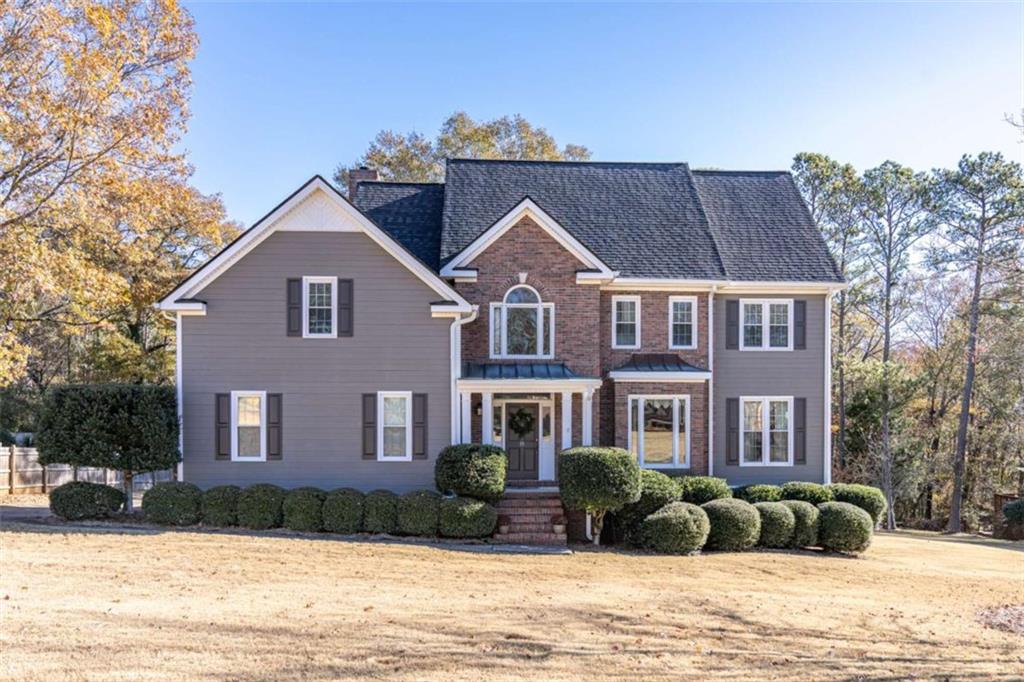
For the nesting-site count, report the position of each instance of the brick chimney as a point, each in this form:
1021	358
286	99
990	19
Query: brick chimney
357	175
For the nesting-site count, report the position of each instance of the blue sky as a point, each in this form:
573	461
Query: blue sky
283	91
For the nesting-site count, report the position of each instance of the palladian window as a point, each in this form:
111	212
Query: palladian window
522	325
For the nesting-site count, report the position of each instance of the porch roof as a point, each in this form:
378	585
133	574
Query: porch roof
656	367
516	370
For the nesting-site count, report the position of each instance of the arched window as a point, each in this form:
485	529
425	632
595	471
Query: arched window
522	325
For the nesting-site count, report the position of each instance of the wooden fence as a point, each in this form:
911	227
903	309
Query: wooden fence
21	473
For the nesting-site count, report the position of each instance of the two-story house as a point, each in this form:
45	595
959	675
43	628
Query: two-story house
681	314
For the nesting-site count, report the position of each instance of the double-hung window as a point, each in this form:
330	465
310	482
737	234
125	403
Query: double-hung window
394	426
522	325
319	301
682	328
767	438
248	426
659	430
625	321
767	324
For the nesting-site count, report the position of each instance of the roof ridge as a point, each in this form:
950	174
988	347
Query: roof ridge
707	223
569	162
720	171
397	182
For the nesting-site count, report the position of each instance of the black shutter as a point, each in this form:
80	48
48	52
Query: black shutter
732	430
419	425
369	426
800	325
345	307
222	425
732	325
274	426
800	431
294	297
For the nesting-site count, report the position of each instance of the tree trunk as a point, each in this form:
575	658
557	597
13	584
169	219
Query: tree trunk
596	525
888	486
841	439
129	493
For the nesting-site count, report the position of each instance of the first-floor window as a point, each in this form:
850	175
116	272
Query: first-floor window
767	438
394	425
248	425
659	430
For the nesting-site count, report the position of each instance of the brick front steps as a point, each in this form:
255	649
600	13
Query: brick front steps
529	515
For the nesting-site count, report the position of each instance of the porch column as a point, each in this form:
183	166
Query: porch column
566	420
487	420
587	437
466	406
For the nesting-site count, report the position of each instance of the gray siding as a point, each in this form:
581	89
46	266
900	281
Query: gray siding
799	373
241	344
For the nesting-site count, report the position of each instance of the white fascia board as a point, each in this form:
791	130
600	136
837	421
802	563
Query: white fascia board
596	277
660	377
526	208
722	286
448	310
527	385
184	307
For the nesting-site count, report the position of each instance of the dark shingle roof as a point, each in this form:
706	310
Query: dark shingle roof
410	212
657	362
516	370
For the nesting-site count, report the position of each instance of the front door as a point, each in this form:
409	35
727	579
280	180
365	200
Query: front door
522	424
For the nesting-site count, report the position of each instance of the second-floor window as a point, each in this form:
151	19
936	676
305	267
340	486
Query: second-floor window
767	324
319	297
522	325
682	314
625	321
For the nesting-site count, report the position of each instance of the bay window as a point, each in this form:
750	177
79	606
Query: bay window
659	430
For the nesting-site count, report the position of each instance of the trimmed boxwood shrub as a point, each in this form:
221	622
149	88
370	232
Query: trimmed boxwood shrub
598	480
701	489
805	532
174	503
777	524
868	498
380	512
343	511
676	528
417	513
462	517
1014	511
735	524
758	493
815	493
472	470
259	506
656	491
843	527
302	509
80	500
220	505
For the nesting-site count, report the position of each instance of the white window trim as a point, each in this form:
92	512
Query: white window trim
235	395
692	300
766	430
765	304
318	279
542	329
407	396
615	321
680	411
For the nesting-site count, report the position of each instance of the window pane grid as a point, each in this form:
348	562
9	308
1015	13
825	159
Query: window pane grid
319	307
682	323
766	431
626	323
522	329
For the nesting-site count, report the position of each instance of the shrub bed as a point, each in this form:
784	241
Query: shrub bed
815	493
805	530
472	470
735	524
463	517
676	528
868	498
380	512
758	493
302	509
417	513
220	505
80	500
701	489
843	527
260	506
777	524
656	491
343	511
174	503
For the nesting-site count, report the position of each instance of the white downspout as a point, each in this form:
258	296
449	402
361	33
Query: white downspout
455	339
711	381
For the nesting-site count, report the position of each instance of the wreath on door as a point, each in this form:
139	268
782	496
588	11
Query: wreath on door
521	422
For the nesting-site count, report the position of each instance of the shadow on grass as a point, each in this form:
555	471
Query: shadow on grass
960	539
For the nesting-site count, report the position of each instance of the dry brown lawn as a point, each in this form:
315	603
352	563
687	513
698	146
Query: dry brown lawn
186	605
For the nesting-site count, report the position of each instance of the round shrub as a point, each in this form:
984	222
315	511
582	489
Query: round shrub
417	513
174	503
815	493
701	489
302	509
220	505
777	524
80	500
259	506
1014	511
868	498
656	490
805	532
735	524
343	511
843	527
462	517
676	528
472	470
758	493
598	481
380	512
